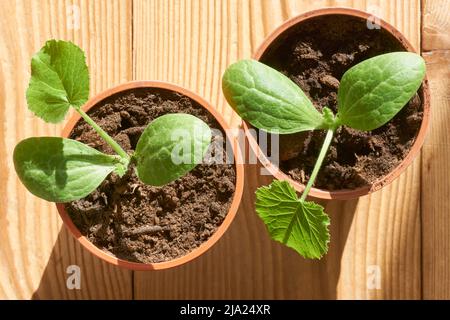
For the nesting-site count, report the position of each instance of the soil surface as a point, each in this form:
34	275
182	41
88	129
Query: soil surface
141	223
315	55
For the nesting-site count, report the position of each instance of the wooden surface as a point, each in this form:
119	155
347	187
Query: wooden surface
436	155
400	234
35	249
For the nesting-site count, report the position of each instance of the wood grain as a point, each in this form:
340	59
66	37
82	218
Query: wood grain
191	43
436	152
436	25
34	250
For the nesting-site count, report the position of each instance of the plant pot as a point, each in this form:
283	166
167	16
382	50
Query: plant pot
235	200
275	40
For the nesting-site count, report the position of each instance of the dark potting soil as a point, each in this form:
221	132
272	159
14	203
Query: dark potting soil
141	223
315	55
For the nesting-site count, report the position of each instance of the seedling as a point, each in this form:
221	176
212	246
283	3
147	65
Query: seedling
370	94
62	170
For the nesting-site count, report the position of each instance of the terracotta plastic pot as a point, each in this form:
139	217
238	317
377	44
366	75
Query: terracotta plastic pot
381	182
204	246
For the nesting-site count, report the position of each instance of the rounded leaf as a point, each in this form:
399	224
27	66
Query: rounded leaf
171	146
61	170
372	92
268	99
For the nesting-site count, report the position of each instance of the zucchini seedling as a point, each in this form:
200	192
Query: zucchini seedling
370	94
62	170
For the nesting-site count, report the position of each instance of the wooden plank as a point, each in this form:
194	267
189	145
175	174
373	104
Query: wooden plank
436	152
436	186
191	43
436	23
35	249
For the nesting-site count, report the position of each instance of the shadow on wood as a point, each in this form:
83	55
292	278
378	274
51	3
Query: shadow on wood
98	280
247	264
244	264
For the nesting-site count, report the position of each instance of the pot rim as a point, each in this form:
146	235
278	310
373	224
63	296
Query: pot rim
239	185
344	194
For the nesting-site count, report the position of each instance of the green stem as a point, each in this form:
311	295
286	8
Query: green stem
322	154
104	135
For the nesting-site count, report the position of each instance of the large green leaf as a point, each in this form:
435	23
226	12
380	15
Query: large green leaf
300	225
375	90
59	79
61	170
268	99
171	146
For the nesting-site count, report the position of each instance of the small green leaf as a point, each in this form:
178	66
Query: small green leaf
59	79
171	146
268	99
329	118
375	90
61	170
300	225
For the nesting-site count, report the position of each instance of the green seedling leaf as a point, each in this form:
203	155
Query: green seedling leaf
61	170
301	225
268	99
171	146
375	90
59	80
